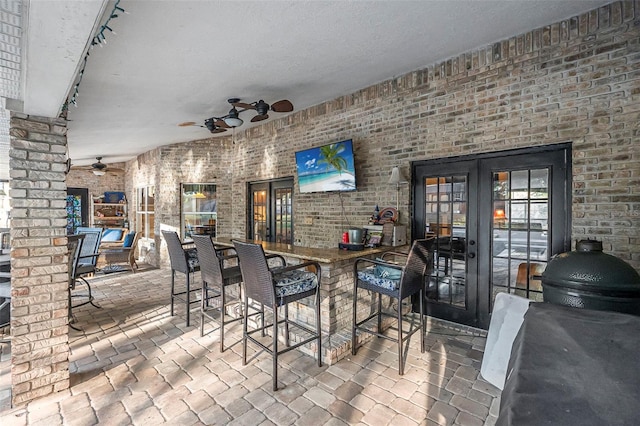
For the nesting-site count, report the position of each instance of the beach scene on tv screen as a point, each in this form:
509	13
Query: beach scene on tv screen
326	168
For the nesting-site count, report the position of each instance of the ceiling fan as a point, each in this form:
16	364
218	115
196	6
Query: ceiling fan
98	168
232	119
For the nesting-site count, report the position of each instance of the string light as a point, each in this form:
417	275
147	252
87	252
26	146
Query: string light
98	39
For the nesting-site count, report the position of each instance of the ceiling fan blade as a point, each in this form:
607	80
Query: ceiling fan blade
220	123
219	130
187	123
259	118
243	105
282	106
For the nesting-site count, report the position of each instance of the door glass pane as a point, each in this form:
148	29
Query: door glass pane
500	185
446	201
520	239
145	211
260	215
151	225
540	183
283	215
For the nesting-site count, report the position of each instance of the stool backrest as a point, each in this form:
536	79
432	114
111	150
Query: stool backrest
177	254
90	244
256	275
419	265
210	263
74	244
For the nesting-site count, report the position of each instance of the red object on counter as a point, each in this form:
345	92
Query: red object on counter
345	237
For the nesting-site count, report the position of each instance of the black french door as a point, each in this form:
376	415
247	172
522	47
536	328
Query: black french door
495	221
270	211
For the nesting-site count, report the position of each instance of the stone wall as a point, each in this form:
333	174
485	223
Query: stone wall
39	278
572	81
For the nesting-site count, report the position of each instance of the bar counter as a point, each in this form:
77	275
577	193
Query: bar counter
336	291
321	255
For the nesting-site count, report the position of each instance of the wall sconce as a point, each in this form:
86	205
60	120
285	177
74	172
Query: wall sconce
397	180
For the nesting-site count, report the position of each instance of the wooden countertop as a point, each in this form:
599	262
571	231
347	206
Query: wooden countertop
322	255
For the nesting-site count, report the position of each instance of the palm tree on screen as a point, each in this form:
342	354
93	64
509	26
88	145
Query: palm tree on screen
330	155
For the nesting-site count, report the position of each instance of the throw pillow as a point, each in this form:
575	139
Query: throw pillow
111	235
128	239
387	272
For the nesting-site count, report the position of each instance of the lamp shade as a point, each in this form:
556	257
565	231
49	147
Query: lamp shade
233	121
99	172
395	178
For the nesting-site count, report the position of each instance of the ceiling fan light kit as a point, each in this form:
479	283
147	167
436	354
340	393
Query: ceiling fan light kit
233	120
99	168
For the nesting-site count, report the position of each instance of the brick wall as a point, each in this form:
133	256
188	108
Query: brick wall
572	81
39	278
113	180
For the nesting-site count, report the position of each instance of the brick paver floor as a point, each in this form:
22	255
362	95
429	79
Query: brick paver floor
132	363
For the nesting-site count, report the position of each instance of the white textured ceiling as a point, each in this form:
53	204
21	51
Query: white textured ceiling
177	61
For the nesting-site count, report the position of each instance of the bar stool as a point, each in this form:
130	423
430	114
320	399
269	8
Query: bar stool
215	280
274	288
184	261
398	281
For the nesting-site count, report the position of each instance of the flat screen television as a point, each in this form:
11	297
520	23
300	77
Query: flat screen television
327	168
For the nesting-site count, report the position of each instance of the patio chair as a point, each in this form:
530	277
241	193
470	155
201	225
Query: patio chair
398	281
124	254
215	280
87	261
74	246
5	306
274	288
185	261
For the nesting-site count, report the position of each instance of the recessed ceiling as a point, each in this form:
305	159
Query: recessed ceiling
176	61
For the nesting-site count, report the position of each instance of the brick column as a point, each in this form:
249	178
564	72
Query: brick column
39	278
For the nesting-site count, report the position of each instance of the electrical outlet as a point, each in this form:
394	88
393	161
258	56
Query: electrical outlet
308	220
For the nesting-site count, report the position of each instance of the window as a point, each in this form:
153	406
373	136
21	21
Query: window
199	213
145	223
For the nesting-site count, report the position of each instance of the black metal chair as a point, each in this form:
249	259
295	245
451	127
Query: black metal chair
74	246
273	288
5	296
398	281
185	261
87	261
215	279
